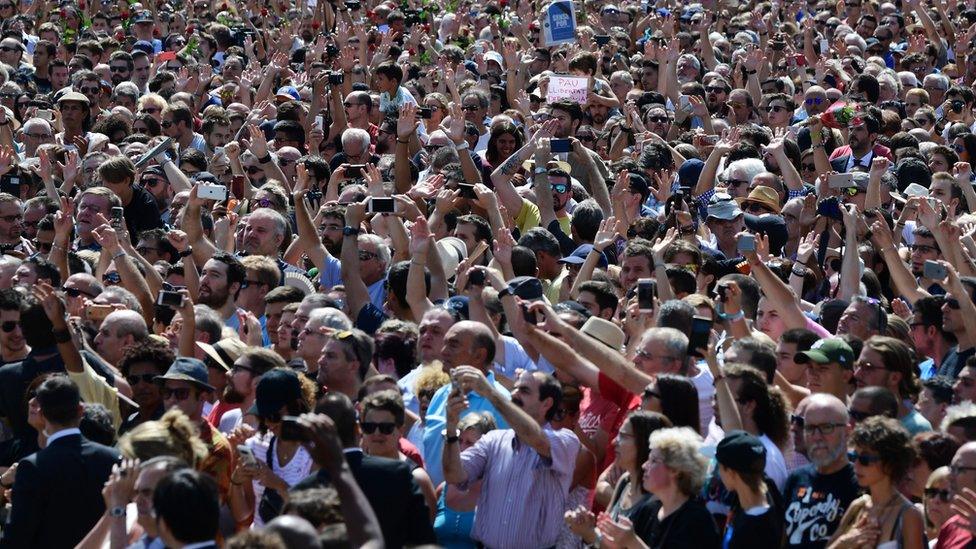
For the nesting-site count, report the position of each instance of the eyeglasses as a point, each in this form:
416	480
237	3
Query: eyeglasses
560	188
144	378
952	303
75	292
775	108
942	495
470	108
8	48
150	110
111	278
864	365
736	182
659	119
151	182
366	256
644	354
39	135
797	420
813	101
166	123
85	90
118	69
370	427
922	248
13	218
808	167
824	429
858	416
9	326
863	459
348	104
956	469
180	394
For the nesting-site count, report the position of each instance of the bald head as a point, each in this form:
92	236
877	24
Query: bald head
964	478
129	323
296	532
825	431
823	405
119	331
469	343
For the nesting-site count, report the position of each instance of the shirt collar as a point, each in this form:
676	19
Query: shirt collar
210	543
63	433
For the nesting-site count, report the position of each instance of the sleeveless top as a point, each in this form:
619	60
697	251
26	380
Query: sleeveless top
453	528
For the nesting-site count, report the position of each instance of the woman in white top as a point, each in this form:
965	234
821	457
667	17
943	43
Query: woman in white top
272	459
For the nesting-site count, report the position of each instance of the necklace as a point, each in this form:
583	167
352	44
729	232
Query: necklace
884	510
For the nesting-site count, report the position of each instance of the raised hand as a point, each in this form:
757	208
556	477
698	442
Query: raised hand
407	122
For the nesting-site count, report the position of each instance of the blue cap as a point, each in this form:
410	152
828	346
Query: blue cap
579	256
277	388
459	303
145	46
288	91
188	369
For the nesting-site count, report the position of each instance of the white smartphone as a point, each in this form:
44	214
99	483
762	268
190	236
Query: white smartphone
247	455
213	192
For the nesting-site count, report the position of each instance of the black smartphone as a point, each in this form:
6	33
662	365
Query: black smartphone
701	330
426	112
118	216
560	146
354	170
645	295
381	205
291	430
332	51
602	39
10	184
528	314
829	207
747	243
467	191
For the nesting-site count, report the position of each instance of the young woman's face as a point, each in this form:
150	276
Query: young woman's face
626	446
378	441
870	474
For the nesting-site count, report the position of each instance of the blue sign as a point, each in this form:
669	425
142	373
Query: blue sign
560	23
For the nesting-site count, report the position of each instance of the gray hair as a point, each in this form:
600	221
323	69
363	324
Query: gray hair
117	295
941	78
127	89
355	135
748	167
382	250
209	322
281	224
674	340
483	99
330	318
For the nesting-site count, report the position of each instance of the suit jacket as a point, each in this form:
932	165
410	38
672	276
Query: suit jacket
57	494
396	499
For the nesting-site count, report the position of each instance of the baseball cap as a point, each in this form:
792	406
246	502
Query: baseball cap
526	287
741	451
724	209
827	351
188	369
205	176
143	16
287	93
277	388
579	256
74	96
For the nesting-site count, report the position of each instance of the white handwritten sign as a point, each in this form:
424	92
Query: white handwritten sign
574	88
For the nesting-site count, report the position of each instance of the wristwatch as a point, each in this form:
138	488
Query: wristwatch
350	231
451	439
187	252
506	291
117	512
461	146
61	336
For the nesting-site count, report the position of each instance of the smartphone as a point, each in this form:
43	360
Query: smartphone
528	314
237	184
557	146
645	295
10	184
118	216
381	205
319	121
602	39
332	51
213	192
747	243
97	313
165	56
685	103
46	114
426	112
824	46
477	277
701	331
933	270
218	151
354	170
829	207
710	140
291	430
173	300
720	291
247	456
841	180
467	191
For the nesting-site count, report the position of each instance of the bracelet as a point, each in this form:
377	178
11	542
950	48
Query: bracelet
737	316
415	262
404	142
55	246
800	274
187	252
265	159
751	72
119	254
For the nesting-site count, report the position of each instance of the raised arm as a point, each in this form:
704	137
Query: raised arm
706	181
357	295
421	243
903	280
501	178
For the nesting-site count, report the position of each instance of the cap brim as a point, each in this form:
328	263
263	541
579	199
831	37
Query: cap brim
188	379
572	260
209	350
811	355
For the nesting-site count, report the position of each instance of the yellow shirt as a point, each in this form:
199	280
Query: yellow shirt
95	390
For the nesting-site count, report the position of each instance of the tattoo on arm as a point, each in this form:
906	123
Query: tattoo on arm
512	164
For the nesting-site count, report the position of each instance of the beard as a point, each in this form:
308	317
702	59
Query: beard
827	455
215	299
232	395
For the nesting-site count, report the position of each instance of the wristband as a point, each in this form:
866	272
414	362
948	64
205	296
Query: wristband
504	292
118	254
61	336
737	316
117	512
461	146
351	231
266	159
800	274
404	142
187	252
751	72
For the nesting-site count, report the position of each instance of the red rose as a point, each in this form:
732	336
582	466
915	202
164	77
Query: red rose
223	7
189	29
125	14
119	36
156	32
411	51
264	12
64	13
81	4
316	25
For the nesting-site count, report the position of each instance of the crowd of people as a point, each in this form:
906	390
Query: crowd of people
377	274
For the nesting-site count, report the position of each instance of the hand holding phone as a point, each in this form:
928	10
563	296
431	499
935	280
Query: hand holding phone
933	270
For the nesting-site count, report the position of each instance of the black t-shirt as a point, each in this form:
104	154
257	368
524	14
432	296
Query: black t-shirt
815	503
752	529
690	526
141	213
954	361
14	380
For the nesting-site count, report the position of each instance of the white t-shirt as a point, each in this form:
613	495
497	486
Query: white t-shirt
295	470
705	384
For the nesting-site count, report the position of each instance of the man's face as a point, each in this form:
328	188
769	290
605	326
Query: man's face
963	470
458	349
140	70
965	386
12	341
857	320
334	366
272	315
653	357
473	111
150	250
220	136
525	395
941	190
10	52
951	317
171	128
793	372
824	449
924	249
930	408
145	487
183	396
25	276
59	77
73	112
310	342
777	112
31	217
89	206
144	390
815	101
588	301
726	231
861	140
566	127
715	94
937	163
330	231
433	327
829	378
633	268
739	101
11	221
261	237
109	342
120	71
870	371
371	267
214	290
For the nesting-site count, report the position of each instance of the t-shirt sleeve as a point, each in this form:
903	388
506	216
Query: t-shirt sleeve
528	217
369	319
94	390
817	329
613	391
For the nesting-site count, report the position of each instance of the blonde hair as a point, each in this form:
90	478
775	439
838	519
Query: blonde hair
172	435
431	379
680	448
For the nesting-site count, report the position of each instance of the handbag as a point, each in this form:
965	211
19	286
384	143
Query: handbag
271	501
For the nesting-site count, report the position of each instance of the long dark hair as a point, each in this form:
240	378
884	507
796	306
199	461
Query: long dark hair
679	401
497	131
643	423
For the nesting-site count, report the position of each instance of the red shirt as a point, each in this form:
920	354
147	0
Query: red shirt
218	412
954	534
627	403
408	449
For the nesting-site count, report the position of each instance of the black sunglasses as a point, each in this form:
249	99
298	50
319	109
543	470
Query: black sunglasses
145	378
935	493
9	326
863	459
370	427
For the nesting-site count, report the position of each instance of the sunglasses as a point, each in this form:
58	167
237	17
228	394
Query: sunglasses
715	89
659	119
111	278
86	91
808	167
736	182
813	101
9	326
150	182
470	108
775	108
942	495
825	429
44	247
118	69
862	459
560	188
952	303
75	292
166	124
144	378
370	427
182	393
797	420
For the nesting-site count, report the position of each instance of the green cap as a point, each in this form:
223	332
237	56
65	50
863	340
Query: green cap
826	351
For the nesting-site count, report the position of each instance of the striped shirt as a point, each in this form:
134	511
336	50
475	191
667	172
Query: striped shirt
523	496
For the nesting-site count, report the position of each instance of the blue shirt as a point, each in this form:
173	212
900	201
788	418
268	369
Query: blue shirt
436	421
